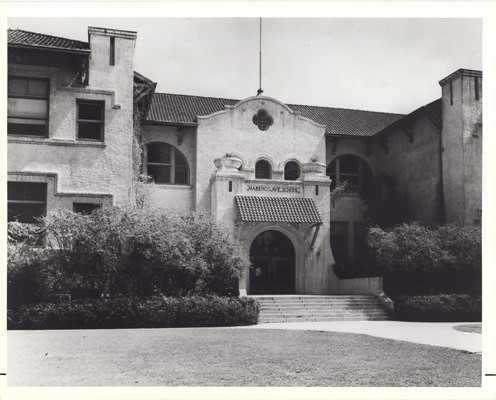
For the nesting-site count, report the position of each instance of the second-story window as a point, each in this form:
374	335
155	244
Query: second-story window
166	164
350	169
90	120
28	106
112	51
263	170
291	171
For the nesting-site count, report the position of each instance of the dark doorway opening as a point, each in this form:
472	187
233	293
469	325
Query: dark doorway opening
272	257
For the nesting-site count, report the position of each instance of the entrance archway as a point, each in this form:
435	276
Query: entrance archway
272	257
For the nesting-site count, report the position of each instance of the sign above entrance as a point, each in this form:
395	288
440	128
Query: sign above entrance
273	188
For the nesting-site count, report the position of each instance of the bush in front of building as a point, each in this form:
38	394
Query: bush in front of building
153	312
31	276
442	307
417	260
125	251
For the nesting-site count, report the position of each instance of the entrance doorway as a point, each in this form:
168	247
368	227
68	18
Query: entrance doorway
272	257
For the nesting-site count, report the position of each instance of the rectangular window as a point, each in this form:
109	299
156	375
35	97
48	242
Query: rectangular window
359	242
84	208
26	201
339	242
476	83
451	92
90	120
28	106
112	51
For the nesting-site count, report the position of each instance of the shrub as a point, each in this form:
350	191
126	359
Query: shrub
153	312
418	260
137	252
444	307
31	277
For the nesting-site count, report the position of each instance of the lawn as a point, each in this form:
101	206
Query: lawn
470	328
230	357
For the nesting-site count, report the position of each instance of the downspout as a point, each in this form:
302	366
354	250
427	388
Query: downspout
315	233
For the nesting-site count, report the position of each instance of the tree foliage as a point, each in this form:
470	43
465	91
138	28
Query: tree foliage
419	260
140	252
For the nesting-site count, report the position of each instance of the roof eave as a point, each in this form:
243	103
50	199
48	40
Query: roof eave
347	136
169	123
400	122
55	49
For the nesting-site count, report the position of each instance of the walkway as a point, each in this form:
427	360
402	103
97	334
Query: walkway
432	333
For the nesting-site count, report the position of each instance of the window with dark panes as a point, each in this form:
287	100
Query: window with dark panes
359	242
165	164
27	106
339	242
263	170
26	201
90	120
84	208
291	171
349	168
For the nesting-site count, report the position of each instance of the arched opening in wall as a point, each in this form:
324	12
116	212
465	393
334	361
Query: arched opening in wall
291	171
263	170
272	257
349	169
165	164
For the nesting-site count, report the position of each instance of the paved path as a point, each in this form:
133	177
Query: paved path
431	333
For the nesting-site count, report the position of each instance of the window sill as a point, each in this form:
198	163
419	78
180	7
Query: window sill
55	142
163	186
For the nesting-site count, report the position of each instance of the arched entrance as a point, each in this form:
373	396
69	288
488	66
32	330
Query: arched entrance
272	257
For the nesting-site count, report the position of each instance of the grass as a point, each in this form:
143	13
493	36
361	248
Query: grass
230	357
471	328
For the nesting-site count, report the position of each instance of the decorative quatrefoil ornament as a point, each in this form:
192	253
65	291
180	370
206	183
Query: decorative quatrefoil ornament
263	120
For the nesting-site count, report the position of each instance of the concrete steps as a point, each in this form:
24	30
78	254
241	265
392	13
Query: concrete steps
300	308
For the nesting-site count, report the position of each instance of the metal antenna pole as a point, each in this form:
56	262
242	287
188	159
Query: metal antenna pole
260	91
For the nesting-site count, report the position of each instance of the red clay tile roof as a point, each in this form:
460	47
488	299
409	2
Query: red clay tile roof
277	209
434	109
177	108
32	39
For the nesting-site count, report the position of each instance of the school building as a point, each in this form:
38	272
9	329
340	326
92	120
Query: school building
285	179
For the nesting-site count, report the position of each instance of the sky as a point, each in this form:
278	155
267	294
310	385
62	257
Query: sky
385	64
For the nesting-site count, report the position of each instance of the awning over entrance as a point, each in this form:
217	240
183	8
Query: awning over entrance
277	209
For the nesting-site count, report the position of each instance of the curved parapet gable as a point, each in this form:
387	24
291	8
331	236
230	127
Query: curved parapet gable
258	127
262	99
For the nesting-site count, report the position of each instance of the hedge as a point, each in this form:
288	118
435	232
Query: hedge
153	312
417	260
441	308
118	251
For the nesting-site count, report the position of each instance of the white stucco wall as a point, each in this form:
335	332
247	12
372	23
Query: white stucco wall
233	131
102	169
291	137
462	142
166	196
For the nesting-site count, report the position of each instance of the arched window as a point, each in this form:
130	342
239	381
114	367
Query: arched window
166	164
291	171
263	170
349	168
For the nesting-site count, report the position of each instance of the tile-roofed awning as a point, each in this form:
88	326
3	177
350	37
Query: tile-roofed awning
18	37
183	109
277	209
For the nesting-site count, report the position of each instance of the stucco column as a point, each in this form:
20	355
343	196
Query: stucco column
225	183
319	276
